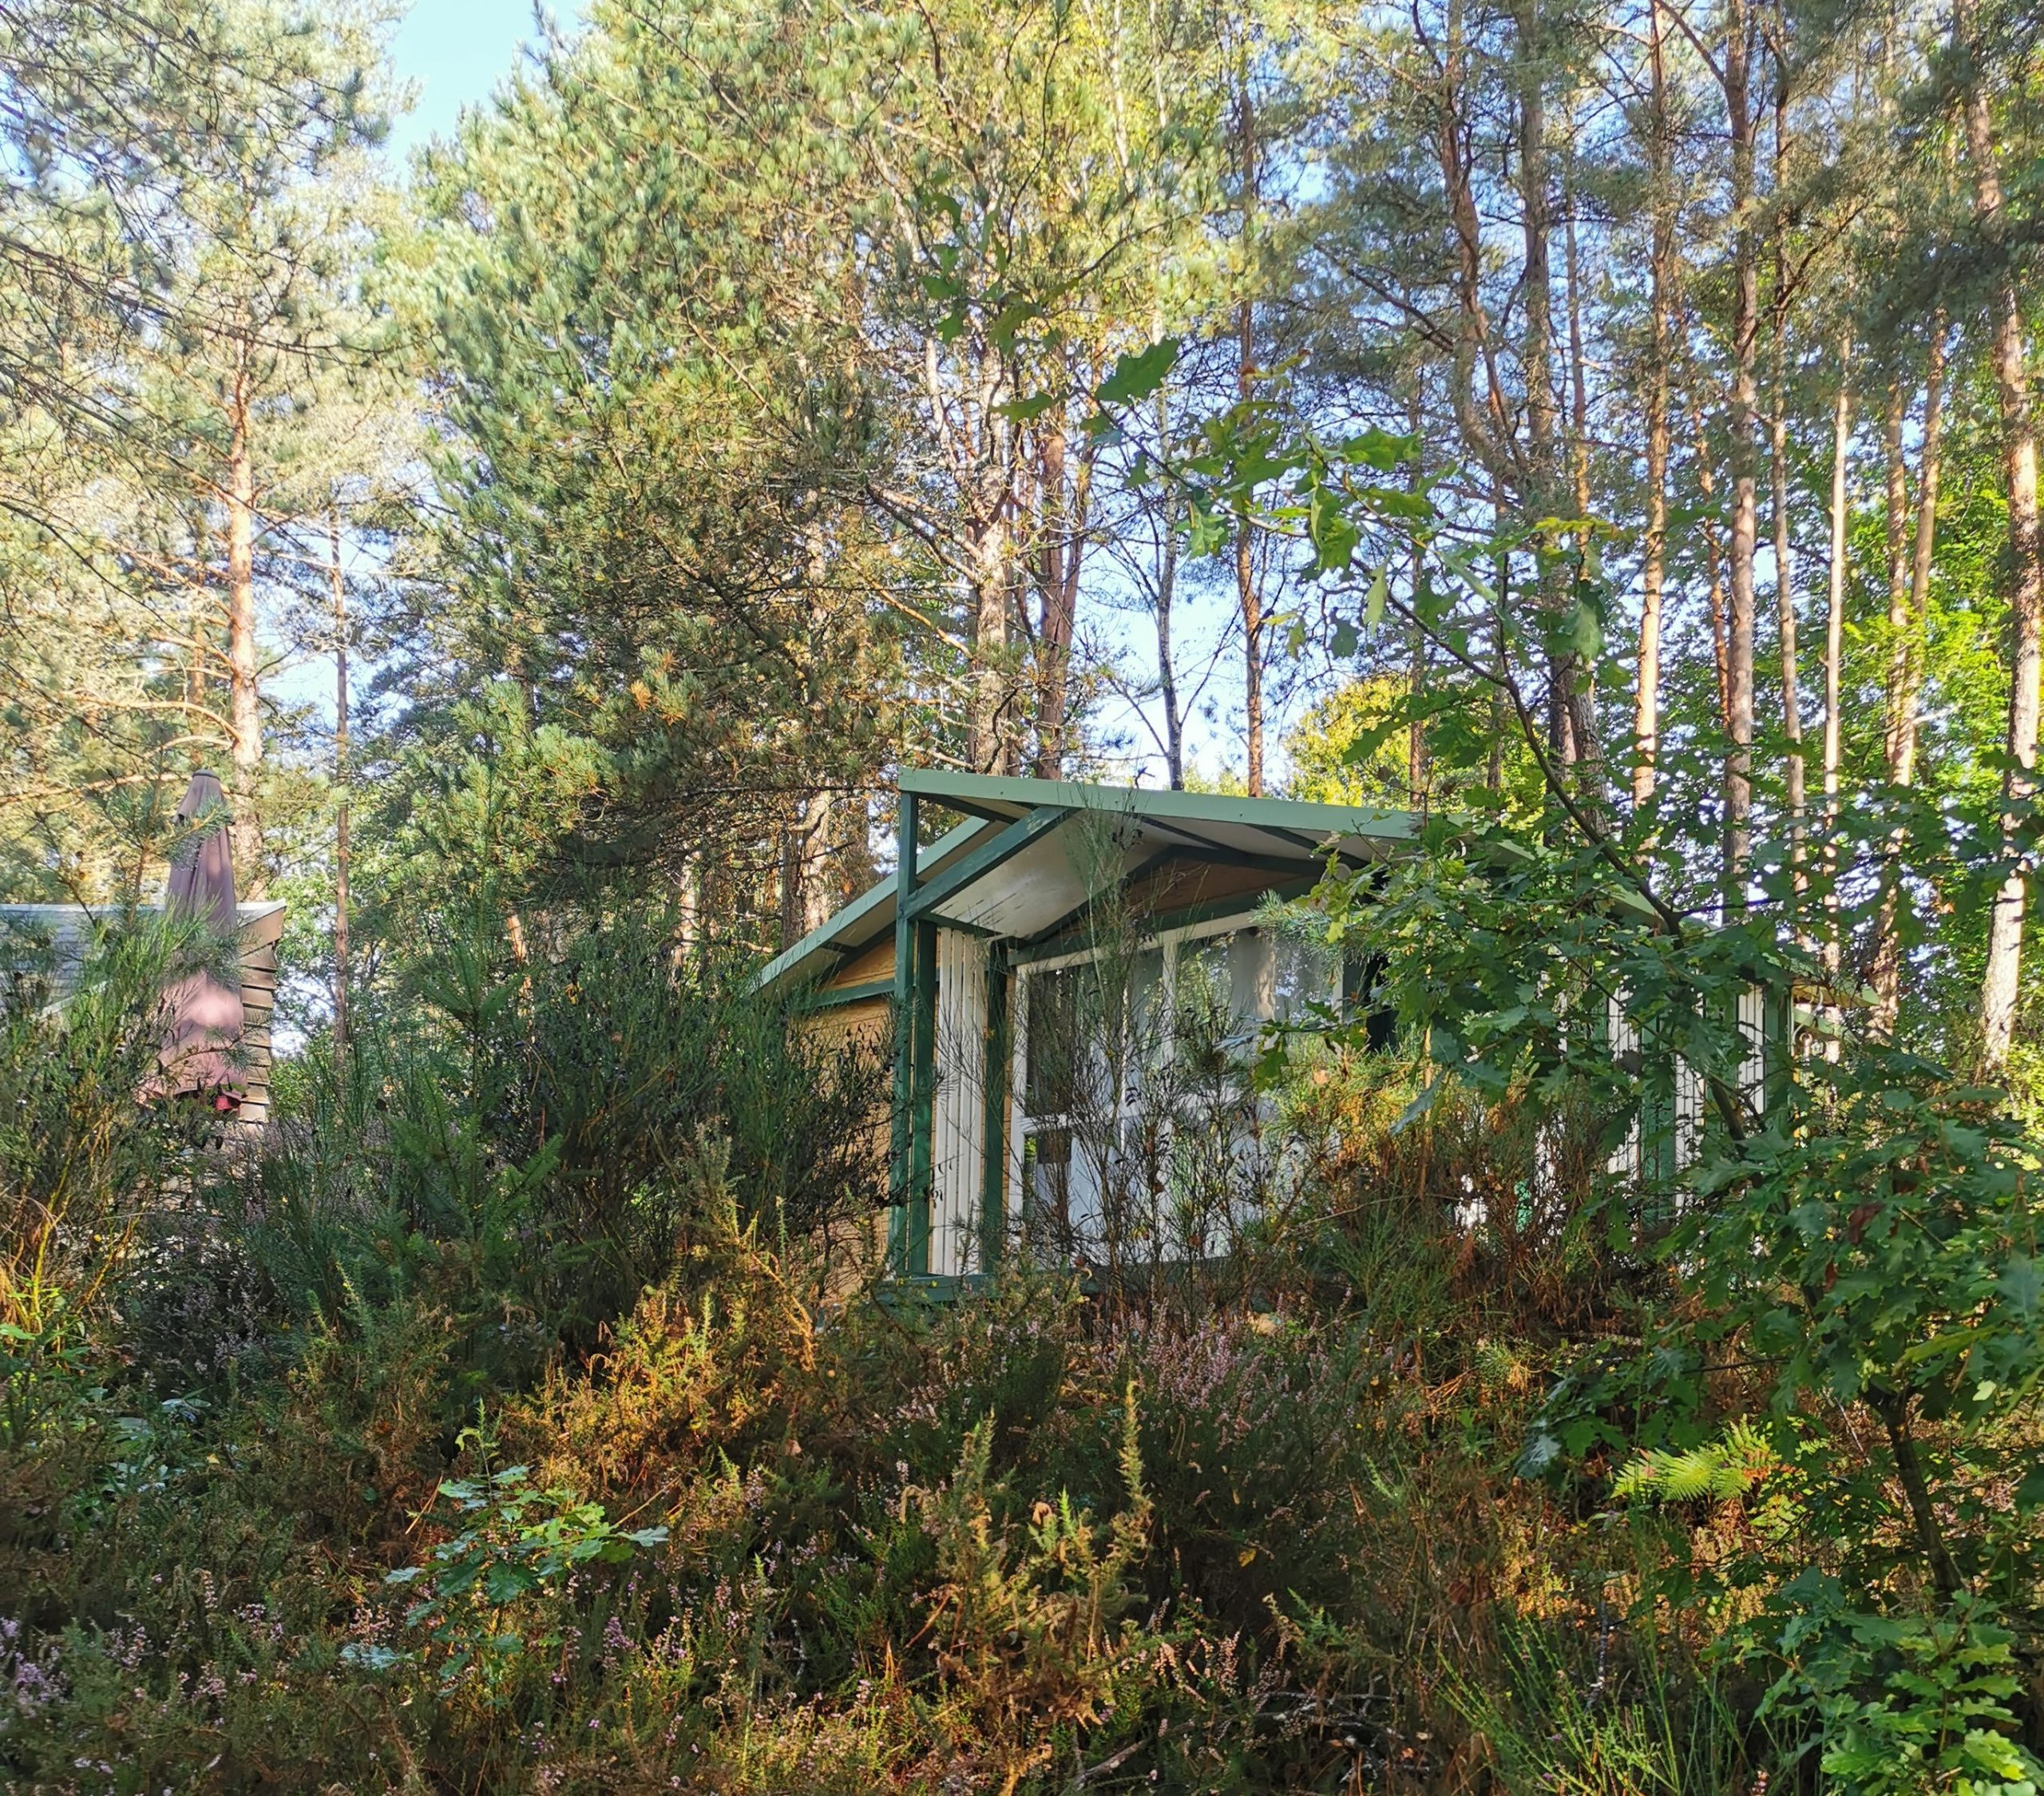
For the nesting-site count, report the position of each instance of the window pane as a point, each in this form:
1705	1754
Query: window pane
1093	1031
1304	975
1053	1040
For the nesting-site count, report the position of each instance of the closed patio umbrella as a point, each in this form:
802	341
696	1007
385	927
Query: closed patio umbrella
202	1034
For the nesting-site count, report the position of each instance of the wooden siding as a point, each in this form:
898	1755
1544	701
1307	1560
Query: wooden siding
67	930
958	1164
876	962
260	935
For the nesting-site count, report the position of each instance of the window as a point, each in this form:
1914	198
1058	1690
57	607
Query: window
1136	1126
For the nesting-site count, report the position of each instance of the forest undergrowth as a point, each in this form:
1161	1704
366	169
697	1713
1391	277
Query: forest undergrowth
399	1454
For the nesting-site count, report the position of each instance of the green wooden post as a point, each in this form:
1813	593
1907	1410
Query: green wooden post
903	1094
993	1195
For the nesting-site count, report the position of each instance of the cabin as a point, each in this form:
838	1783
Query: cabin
988	943
54	940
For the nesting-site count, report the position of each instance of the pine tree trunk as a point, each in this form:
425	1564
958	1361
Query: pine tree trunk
338	583
1168	682
1905	678
1582	687
244	716
1745	512
1540	484
1895	508
1713	547
2001	986
977	446
1646	704
1167	596
1834	646
1417	776
1784	606
1250	599
819	842
1785	552
1063	515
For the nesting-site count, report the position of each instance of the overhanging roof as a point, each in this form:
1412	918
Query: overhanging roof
1036	852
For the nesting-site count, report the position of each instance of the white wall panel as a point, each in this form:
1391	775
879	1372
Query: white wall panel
958	1141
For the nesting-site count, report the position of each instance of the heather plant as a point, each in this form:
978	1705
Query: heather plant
1417	1491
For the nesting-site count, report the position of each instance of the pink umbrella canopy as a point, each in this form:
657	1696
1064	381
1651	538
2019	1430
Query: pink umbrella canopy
202	1034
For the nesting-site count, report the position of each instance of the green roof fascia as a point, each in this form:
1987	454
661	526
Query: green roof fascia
1277	814
839	921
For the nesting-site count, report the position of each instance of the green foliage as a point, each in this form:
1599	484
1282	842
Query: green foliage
1911	1702
507	1540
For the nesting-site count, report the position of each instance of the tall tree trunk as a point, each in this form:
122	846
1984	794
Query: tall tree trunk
1062	510
1905	678
976	445
1713	557
1647	703
1248	596
199	615
1483	425
1785	551
1167	680
1167	585
1834	645
337	581
1745	410
1246	364
1582	684
1417	777
791	858
820	847
1501	583
2001	986
1896	503
244	716
1540	486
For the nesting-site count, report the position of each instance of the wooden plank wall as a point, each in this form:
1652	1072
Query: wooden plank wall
259	999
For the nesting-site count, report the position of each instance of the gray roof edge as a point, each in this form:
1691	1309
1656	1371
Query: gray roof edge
1211	808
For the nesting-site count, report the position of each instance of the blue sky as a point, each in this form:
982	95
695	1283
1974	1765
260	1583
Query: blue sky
454	52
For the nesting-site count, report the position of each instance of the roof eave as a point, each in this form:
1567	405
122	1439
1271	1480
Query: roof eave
961	789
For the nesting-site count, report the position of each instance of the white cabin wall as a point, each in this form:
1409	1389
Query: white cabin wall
958	1139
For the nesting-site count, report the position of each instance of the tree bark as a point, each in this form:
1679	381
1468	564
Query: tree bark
1540	486
1834	647
337	581
1714	555
1746	409
976	445
1905	680
244	716
1248	597
1785	552
1646	704
2001	985
1895	509
1167	583
1418	778
1062	512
